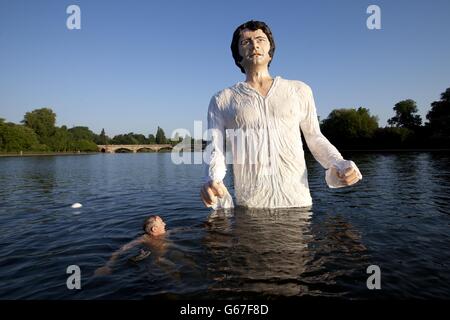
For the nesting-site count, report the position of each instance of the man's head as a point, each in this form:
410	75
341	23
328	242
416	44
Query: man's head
154	226
249	38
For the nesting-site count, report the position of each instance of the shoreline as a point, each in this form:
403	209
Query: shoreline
395	150
34	154
37	154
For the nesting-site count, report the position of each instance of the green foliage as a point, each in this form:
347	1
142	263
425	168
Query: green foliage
129	138
42	121
405	115
349	127
160	136
83	145
81	133
439	117
15	137
140	138
393	137
61	140
151	139
39	133
102	139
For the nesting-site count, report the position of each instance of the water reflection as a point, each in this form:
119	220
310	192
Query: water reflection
279	252
397	217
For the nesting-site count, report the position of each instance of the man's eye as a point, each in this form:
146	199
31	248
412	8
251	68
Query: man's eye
244	43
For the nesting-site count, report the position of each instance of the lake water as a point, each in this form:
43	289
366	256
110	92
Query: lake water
397	217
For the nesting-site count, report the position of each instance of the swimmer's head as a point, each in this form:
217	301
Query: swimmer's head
154	226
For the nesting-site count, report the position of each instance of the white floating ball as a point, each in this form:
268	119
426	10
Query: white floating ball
77	205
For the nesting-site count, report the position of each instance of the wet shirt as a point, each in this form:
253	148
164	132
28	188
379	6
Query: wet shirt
261	137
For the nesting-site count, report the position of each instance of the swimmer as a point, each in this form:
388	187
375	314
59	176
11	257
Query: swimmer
154	237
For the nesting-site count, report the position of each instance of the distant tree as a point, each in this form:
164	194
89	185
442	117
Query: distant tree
42	121
140	138
84	145
82	133
82	139
160	136
120	139
102	138
61	140
393	137
439	117
15	137
151	139
349	127
129	138
2	122
405	115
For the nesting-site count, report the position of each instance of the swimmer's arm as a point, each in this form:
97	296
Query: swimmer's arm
187	228
177	229
106	269
124	248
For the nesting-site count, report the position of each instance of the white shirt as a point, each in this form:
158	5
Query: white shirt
263	134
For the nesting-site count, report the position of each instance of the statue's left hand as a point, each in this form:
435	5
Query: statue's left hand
348	177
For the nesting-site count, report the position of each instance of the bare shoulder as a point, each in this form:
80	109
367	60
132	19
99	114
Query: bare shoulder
141	239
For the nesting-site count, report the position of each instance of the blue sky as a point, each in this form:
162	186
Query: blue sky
135	65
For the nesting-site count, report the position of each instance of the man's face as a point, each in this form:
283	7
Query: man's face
254	48
159	226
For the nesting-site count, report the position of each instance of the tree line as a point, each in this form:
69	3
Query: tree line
38	133
357	129
346	128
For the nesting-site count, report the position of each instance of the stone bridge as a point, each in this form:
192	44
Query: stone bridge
112	148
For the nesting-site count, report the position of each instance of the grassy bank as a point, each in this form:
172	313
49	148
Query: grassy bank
34	153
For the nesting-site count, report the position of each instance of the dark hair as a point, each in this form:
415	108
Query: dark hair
251	25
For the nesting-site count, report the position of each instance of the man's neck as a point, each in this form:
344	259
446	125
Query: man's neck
257	76
153	235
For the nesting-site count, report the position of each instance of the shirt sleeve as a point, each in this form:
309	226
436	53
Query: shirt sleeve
216	165
323	151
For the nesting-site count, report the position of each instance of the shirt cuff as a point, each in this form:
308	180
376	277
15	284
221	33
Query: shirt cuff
339	166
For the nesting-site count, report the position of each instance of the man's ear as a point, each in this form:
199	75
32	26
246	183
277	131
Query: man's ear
153	229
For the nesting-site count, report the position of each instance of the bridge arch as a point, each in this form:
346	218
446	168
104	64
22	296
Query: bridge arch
112	148
165	149
146	149
123	150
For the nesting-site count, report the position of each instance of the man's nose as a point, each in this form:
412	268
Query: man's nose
254	44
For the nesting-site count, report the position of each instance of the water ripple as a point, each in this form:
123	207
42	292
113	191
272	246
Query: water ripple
397	217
